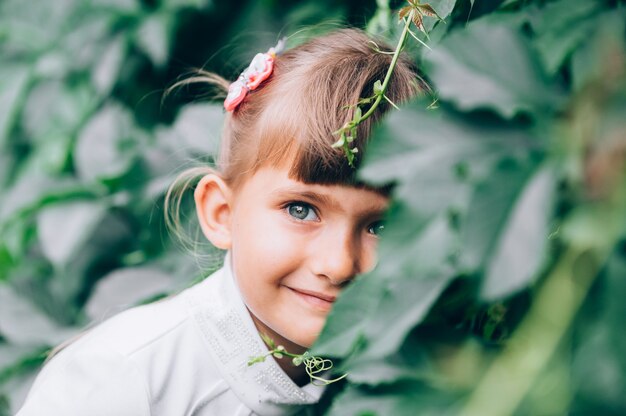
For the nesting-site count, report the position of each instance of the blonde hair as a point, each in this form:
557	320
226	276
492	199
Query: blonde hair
290	119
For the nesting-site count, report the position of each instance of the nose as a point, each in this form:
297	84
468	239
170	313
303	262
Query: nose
340	255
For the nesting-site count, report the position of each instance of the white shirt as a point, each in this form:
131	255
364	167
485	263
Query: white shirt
186	355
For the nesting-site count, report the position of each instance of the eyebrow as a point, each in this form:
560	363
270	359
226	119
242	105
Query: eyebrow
310	195
323	199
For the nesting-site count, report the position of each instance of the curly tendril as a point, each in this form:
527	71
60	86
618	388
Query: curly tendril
312	365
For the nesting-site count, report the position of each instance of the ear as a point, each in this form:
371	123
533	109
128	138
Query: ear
213	206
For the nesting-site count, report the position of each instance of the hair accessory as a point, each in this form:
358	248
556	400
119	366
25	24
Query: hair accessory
258	71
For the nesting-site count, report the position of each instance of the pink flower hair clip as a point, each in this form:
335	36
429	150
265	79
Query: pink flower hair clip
258	71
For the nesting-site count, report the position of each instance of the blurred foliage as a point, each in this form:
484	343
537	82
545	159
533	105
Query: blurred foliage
503	267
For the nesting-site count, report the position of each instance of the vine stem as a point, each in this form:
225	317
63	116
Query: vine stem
394	60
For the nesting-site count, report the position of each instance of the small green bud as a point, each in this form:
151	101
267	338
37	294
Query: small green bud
278	355
269	341
254	360
340	142
378	87
350	157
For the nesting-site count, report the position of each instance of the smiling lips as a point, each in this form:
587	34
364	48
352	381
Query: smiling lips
318	300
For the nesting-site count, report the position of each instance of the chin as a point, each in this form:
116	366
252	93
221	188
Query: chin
307	339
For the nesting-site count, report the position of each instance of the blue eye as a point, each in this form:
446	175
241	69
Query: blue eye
302	211
376	228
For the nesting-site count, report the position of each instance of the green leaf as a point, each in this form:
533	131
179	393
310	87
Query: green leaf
424	165
64	228
85	44
492	203
52	115
196	132
554	47
103	245
357	113
17	388
30	30
443	8
522	247
16	361
489	65
106	145
14	81
33	190
23	324
346	321
379	23
561	14
398	399
341	142
378	87
9	354
560	27
106	70
154	36
268	341
194	136
54	107
404	303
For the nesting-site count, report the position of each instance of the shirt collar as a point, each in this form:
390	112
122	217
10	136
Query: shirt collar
232	338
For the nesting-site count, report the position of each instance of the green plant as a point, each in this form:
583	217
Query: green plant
501	267
313	365
412	14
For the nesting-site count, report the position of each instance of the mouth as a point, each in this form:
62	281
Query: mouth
317	300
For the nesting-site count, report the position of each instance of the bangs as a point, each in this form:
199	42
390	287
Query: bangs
287	147
304	146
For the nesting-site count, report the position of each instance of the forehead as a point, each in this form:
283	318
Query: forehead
275	183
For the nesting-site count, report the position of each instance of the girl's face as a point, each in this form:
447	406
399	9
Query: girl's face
295	245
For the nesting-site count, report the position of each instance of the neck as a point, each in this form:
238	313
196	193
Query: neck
296	373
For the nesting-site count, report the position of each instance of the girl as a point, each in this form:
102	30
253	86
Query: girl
297	227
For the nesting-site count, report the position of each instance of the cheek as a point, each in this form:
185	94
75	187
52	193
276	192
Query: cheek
261	233
263	246
369	254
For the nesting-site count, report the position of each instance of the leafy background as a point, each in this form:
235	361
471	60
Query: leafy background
503	267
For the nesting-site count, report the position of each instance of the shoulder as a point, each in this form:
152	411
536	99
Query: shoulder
133	330
88	381
135	363
103	370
